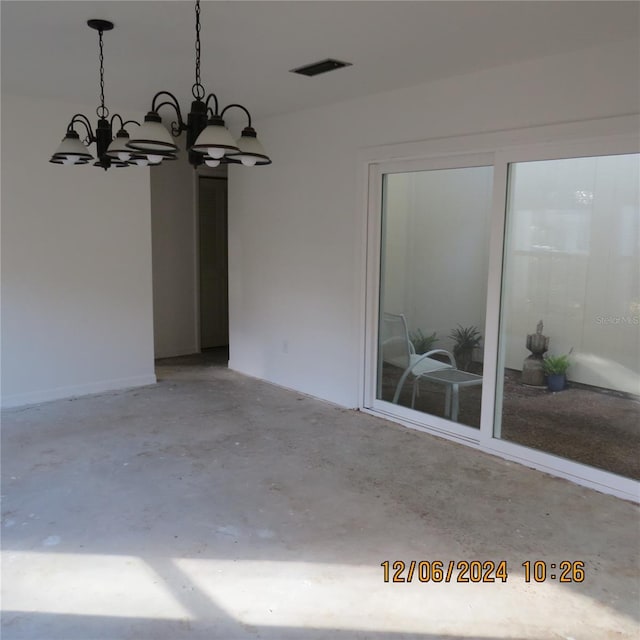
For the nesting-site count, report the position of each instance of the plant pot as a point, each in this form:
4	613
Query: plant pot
556	382
464	358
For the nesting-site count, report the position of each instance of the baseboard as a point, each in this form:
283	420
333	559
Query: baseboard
231	366
36	397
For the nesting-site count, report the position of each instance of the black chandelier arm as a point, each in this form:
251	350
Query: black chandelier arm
215	102
177	126
238	106
170	104
123	123
173	102
82	119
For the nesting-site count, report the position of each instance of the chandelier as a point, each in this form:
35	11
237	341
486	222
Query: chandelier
208	140
110	152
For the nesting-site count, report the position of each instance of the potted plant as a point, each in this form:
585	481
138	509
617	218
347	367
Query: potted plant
422	343
465	340
555	368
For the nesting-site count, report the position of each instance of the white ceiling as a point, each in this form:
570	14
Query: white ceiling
248	47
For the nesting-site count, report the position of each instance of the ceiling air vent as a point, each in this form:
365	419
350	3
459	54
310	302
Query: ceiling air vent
316	68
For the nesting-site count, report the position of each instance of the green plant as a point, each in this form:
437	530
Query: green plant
465	340
422	343
556	365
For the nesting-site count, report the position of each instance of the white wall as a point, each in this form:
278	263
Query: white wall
295	227
76	265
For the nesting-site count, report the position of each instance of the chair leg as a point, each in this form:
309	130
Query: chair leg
416	388
454	411
447	402
401	382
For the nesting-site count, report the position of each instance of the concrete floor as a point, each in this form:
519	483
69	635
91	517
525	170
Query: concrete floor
216	506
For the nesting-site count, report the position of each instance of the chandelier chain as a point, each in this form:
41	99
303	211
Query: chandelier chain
102	111
197	89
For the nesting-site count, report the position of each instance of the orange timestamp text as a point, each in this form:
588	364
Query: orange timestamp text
486	571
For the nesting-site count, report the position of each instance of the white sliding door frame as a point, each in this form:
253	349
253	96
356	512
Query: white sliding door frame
377	172
490	440
610	136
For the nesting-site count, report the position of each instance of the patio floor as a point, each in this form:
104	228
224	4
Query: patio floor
585	425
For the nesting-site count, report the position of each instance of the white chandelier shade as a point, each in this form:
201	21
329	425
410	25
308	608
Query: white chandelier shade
118	149
251	152
215	140
153	137
71	150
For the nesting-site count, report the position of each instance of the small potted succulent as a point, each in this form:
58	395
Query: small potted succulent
555	368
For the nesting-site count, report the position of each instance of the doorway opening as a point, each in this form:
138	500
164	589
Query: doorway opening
213	271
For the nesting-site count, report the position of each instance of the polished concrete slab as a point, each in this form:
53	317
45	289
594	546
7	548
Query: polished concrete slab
212	505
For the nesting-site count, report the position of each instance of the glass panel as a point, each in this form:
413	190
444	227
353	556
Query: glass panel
434	262
571	288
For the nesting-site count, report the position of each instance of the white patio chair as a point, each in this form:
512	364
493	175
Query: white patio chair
398	350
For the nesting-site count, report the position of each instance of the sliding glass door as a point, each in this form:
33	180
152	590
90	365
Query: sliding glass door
571	311
434	255
504	305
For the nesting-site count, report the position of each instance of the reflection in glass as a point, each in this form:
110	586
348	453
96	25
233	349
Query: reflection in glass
572	263
434	262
